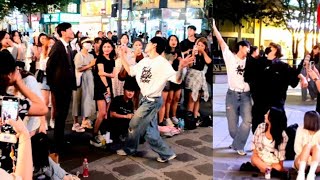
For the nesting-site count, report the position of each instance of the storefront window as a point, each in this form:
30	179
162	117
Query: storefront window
72	8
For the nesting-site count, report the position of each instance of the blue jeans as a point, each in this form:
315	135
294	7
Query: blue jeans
145	123
239	104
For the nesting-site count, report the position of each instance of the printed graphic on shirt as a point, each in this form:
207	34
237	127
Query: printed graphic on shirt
240	70
146	75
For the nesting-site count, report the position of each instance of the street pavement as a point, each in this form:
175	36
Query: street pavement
226	162
193	148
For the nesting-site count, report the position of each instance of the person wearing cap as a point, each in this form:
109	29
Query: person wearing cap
83	103
61	79
151	74
121	112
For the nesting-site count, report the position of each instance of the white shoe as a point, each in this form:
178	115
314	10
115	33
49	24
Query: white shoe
51	123
175	120
121	152
159	159
76	127
169	122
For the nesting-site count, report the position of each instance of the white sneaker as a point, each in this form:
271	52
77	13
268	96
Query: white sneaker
76	127
159	159
51	123
169	122
121	152
175	120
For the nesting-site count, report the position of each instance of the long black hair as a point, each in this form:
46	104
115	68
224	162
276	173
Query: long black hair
2	35
112	54
278	123
176	49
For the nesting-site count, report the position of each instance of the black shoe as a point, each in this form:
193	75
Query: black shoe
280	174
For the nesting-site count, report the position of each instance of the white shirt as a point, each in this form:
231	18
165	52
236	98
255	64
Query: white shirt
65	44
303	137
152	75
235	70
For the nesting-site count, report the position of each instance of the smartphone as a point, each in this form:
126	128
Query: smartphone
107	97
311	64
9	110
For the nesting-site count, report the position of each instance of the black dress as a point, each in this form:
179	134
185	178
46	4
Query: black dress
99	87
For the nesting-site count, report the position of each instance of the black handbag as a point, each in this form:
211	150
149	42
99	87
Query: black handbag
39	75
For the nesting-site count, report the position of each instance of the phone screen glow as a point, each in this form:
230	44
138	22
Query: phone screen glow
9	110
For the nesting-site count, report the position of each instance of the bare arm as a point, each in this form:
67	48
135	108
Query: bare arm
206	57
24	166
89	66
120	116
221	42
38	108
182	64
102	74
124	61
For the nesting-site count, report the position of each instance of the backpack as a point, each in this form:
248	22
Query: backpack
291	133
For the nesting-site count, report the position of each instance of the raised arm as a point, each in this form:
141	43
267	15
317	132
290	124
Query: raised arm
221	42
124	60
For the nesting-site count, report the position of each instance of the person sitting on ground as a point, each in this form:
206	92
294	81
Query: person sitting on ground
269	143
121	112
306	146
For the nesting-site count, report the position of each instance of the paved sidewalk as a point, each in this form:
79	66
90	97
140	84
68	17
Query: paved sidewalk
194	161
226	162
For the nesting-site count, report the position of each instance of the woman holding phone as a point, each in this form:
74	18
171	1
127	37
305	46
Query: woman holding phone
34	106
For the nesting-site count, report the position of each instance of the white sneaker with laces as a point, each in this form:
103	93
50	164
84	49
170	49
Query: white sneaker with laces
169	122
175	120
311	176
159	159
241	152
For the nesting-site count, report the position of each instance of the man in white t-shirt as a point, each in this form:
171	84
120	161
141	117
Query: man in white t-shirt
151	74
238	99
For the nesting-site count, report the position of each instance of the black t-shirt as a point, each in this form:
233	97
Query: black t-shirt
175	63
94	54
185	45
120	106
199	63
5	148
108	66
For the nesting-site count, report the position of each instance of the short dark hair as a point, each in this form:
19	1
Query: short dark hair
137	39
192	27
278	47
97	39
109	32
63	27
158	32
311	121
241	43
253	49
161	44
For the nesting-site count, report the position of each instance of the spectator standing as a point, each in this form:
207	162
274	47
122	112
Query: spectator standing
61	79
83	104
104	71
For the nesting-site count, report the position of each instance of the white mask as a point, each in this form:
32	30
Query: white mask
87	46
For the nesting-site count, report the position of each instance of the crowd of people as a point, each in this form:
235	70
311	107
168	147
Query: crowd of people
131	88
258	84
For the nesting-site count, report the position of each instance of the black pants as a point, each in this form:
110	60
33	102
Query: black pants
258	111
117	127
62	99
